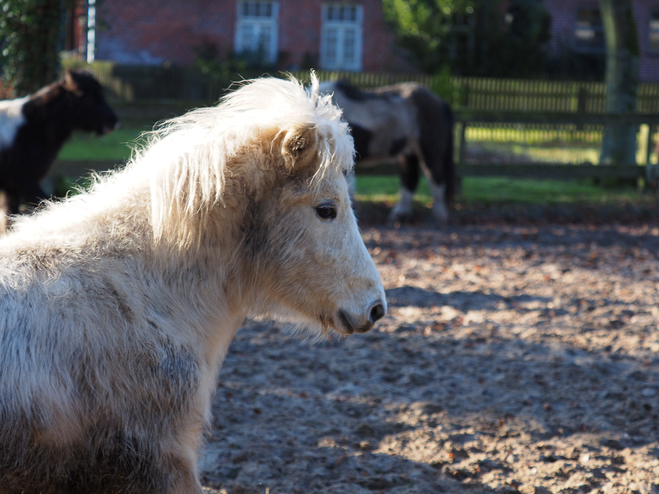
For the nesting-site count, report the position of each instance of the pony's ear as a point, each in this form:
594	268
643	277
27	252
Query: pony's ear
299	147
70	83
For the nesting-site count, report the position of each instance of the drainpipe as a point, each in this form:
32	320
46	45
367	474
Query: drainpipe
91	30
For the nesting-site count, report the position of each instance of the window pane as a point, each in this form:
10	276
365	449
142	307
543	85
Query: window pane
589	16
331	46
341	41
588	32
262	10
654	31
338	12
349	46
246	36
264	43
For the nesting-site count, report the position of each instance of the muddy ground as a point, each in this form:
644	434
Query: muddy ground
520	354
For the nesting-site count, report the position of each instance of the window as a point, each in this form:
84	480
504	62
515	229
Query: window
588	32
653	32
341	37
256	30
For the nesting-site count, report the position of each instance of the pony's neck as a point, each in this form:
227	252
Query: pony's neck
211	280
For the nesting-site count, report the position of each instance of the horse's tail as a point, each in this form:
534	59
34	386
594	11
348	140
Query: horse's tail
436	121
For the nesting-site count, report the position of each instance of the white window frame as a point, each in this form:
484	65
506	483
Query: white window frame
258	23
341	30
583	30
653	32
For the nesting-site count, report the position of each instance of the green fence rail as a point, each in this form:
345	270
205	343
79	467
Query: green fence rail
556	171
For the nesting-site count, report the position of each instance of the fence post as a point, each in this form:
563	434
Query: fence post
582	95
465	95
462	142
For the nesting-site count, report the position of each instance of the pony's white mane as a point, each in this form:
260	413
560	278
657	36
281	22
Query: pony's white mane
188	155
182	167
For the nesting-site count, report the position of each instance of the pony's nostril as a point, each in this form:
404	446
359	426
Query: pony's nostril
377	312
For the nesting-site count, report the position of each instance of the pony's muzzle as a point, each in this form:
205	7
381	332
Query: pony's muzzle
352	324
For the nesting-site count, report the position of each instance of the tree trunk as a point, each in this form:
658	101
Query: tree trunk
622	52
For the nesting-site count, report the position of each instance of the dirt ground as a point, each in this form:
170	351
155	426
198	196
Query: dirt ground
517	356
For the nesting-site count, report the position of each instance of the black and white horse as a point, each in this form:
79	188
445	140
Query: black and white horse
407	121
34	129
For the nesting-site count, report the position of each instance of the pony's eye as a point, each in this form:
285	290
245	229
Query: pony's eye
326	211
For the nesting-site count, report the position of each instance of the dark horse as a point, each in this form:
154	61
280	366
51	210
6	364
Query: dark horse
33	130
407	121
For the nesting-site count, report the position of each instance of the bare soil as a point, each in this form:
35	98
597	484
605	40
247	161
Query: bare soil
519	355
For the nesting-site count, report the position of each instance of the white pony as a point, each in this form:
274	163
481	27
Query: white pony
117	305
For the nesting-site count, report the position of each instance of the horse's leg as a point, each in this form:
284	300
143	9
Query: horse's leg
13	200
188	484
438	180
438	163
439	208
184	457
409	179
31	193
10	206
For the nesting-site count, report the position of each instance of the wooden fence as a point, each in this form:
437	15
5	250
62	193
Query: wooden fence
557	171
153	93
646	172
130	83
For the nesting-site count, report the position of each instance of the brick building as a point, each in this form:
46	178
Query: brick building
327	34
289	33
577	25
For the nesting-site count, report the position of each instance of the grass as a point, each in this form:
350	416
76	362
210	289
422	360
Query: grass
522	152
116	146
501	189
504	190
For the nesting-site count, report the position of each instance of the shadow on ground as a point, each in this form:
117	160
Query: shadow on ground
538	380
